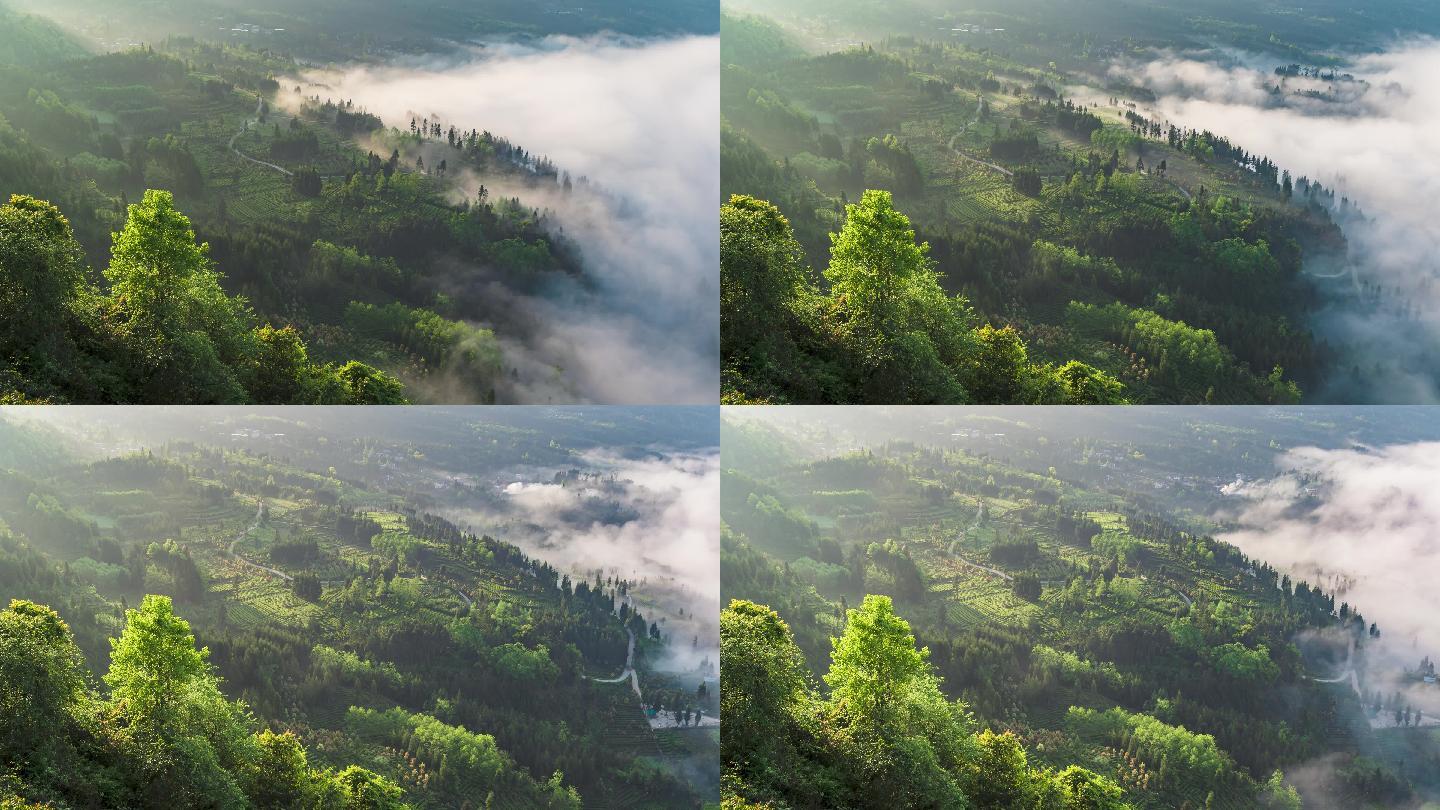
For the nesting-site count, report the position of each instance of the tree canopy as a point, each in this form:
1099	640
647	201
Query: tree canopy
163	736
884	329
884	735
162	330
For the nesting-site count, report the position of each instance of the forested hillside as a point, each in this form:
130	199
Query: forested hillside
1060	230
1064	604
186	230
210	627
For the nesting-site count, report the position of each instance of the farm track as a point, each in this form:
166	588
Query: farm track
259	103
1349	675
966	157
468	601
629	671
259	514
1352	677
997	572
1180	189
1188	602
980	518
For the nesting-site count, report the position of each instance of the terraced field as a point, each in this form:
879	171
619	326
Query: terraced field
986	599
627	731
251	601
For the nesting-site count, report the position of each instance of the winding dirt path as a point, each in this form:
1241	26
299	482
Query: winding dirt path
1349	674
979	518
629	671
1180	189
966	157
468	601
1181	594
986	569
259	514
977	161
259	103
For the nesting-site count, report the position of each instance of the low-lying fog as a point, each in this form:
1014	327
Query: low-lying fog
654	521
639	119
1373	140
1363	523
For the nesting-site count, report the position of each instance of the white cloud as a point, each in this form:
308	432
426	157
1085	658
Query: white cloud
1377	147
1364	524
640	119
658	525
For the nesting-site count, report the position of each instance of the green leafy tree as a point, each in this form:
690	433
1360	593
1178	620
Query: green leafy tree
42	273
1244	664
281	368
1082	384
279	776
160	278
1000	775
42	683
906	742
1276	795
185	333
874	662
358	384
1081	789
356	788
761	272
763	679
874	262
186	739
906	334
1282	391
151	662
997	372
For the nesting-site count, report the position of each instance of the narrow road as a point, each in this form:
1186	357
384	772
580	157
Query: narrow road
1349	673
629	671
259	103
966	157
979	518
1181	594
634	678
1352	270
468	601
259	513
1179	188
994	571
